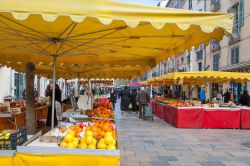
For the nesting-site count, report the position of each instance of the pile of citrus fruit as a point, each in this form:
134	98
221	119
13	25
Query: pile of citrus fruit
100	112
101	135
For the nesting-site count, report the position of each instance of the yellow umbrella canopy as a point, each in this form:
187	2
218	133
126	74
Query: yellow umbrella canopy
201	77
100	38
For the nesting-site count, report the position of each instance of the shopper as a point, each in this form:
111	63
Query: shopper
226	96
58	97
58	103
143	99
133	100
125	99
24	94
48	94
244	99
203	96
112	98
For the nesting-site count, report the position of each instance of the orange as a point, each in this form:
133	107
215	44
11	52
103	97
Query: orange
72	127
94	128
102	133
88	127
95	134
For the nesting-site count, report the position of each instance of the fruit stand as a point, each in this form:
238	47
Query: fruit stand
90	139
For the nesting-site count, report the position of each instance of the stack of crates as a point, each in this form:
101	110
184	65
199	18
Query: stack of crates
15	139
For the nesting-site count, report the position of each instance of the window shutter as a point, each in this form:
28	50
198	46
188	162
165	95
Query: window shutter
241	13
237	55
232	56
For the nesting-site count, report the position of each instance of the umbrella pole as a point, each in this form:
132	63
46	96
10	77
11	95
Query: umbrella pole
53	93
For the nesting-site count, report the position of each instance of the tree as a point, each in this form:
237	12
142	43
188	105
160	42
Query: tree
30	106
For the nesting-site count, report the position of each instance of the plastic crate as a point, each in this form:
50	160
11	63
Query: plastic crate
15	139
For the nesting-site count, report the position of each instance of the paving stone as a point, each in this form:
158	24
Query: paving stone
212	163
157	143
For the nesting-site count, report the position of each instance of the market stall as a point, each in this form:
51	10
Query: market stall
217	115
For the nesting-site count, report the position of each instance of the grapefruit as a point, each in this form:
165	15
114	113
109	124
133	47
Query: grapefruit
108	139
88	139
89	133
111	147
63	144
101	145
83	145
70	145
91	146
68	138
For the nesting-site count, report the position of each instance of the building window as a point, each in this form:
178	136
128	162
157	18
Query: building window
200	66
199	55
215	5
190	5
215	45
235	55
216	62
238	11
188	59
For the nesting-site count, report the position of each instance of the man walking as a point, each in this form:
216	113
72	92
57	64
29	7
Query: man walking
143	99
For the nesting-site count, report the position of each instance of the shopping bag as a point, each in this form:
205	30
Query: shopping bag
130	106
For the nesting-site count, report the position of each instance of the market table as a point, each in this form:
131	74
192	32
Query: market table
169	114
153	105
7	157
222	118
184	117
189	117
245	118
12	121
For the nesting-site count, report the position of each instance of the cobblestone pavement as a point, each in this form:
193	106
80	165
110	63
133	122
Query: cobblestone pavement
147	143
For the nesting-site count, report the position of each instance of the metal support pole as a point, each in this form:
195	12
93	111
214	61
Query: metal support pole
53	91
78	82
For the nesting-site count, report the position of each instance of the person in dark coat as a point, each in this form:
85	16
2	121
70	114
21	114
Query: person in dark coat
133	101
143	99
58	97
244	100
125	99
226	96
112	98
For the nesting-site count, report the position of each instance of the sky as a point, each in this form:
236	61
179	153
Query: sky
144	2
